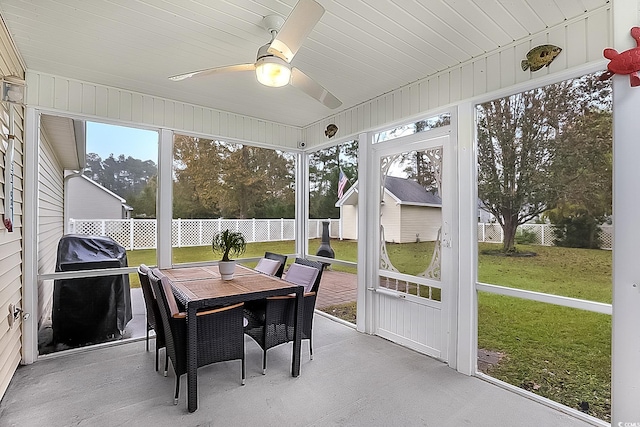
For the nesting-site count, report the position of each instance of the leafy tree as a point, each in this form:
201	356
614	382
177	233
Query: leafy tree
584	162
144	203
252	178
197	170
324	171
547	149
515	154
216	178
127	177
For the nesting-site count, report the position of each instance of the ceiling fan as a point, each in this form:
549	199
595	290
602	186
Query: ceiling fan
272	66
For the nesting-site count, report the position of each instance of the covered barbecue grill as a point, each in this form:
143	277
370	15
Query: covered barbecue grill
92	309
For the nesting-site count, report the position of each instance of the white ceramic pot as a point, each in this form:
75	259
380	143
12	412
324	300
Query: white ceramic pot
226	268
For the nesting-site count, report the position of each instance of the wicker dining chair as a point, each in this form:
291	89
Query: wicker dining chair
267	266
273	322
220	331
152	314
277	257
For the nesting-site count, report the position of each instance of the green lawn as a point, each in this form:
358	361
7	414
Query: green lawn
560	353
345	250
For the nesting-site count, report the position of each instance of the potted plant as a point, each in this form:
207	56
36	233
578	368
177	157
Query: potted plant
229	243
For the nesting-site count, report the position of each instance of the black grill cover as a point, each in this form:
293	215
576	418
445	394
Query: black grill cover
93	309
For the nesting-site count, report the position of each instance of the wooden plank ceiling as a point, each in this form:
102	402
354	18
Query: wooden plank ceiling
359	49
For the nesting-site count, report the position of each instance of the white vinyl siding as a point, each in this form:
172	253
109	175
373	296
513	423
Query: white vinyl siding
51	222
350	222
88	201
420	222
10	243
391	219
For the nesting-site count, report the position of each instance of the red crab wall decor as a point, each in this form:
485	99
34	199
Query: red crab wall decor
627	62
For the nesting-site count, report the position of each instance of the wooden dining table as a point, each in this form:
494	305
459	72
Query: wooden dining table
201	287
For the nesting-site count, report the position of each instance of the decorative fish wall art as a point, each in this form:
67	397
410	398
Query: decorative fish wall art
540	56
331	130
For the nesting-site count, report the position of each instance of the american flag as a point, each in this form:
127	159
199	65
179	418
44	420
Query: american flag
342	181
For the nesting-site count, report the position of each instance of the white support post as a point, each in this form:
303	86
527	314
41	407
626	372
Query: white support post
164	207
467	311
366	263
30	237
302	205
625	371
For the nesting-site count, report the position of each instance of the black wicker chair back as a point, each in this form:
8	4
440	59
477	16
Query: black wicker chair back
220	331
153	313
277	257
273	322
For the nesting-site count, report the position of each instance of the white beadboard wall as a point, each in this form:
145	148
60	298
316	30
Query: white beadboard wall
68	96
582	41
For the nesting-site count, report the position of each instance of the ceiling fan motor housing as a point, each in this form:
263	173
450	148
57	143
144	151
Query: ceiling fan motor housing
272	23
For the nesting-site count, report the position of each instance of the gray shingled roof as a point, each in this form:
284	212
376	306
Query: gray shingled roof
409	191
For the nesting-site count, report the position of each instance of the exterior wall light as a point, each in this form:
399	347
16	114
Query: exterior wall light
13	90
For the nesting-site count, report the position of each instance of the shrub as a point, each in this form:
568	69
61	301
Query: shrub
525	237
580	231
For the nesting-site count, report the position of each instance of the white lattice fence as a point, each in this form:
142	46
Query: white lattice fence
315	228
142	233
543	234
489	233
606	236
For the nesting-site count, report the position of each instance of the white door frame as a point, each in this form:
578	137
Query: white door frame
450	230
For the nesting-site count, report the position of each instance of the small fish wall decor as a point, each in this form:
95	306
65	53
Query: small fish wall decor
331	130
540	56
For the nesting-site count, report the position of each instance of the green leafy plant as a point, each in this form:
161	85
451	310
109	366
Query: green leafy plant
525	237
229	243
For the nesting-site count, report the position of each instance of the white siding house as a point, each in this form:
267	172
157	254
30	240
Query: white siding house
86	199
409	213
11	243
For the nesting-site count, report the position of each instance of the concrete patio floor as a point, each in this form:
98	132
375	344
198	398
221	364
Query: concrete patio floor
354	380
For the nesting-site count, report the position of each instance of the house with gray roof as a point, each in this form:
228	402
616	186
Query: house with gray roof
409	212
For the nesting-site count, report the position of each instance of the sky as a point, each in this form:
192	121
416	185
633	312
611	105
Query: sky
105	139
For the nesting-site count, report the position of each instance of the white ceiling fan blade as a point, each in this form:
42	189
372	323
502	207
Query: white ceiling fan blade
208	71
304	16
309	86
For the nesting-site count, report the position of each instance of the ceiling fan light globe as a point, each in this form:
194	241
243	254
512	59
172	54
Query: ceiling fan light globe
272	72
